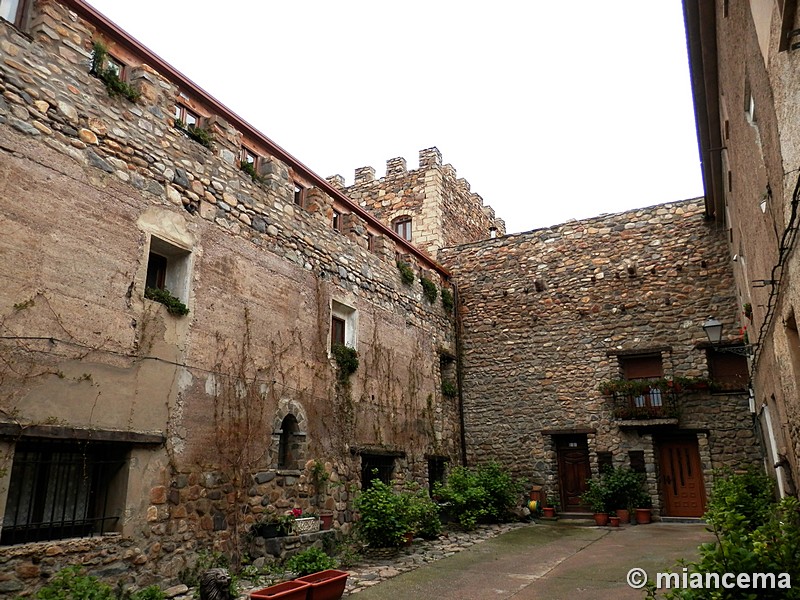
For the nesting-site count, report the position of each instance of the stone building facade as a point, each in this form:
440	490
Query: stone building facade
745	61
548	315
430	206
167	432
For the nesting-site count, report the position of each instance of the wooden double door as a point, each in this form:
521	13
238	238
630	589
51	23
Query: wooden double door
681	474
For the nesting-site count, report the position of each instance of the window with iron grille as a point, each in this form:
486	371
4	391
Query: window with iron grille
60	490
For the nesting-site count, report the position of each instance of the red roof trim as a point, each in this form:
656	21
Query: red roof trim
164	68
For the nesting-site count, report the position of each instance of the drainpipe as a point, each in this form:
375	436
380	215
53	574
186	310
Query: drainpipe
460	374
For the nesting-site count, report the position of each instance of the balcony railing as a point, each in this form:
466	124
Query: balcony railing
654	403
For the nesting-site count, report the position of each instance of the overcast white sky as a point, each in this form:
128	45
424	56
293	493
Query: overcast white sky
550	110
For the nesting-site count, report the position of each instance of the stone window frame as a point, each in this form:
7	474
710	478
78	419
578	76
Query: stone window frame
285	408
169	266
402	225
182	113
349	315
300	192
248	155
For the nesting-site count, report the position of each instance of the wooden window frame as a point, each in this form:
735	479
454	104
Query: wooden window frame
299	195
182	112
654	398
336	220
402	227
338	330
20	15
246	153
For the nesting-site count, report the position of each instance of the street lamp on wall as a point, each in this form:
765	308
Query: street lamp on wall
713	329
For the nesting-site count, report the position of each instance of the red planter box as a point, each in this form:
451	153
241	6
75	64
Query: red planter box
288	590
325	585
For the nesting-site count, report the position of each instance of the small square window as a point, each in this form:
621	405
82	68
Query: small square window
168	268
370	242
376	466
300	196
185	116
344	324
116	66
728	371
248	156
337	220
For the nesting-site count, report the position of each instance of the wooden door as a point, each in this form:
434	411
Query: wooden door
573	471
682	478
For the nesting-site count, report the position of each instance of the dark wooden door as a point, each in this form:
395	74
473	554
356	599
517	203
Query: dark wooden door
682	478
573	470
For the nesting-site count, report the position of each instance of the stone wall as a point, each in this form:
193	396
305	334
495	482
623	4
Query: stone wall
87	182
545	314
443	209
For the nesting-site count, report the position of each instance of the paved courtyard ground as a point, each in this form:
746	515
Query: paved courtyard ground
553	561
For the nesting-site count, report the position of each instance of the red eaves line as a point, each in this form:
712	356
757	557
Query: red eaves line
164	68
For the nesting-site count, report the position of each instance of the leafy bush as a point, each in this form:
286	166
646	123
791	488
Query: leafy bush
114	85
152	592
310	561
447	300
406	273
449	389
487	493
422	513
428	289
70	583
248	168
202	136
173	304
624	488
346	359
384	518
754	535
596	495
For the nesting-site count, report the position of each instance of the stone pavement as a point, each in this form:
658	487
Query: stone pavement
525	562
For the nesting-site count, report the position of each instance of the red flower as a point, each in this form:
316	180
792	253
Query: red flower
296	512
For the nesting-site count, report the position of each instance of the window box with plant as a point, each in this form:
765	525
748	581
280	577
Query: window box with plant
110	73
163	296
201	135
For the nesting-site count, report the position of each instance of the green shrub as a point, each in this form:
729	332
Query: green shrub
754	534
449	389
490	492
447	300
624	488
596	495
152	592
310	561
428	289
248	168
173	304
70	583
406	273
384	519
114	85
346	359
423	513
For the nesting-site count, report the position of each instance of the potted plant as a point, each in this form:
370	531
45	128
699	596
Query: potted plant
549	511
613	520
325	585
288	590
644	507
596	497
624	487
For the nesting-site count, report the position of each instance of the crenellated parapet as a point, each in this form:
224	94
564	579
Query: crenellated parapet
442	208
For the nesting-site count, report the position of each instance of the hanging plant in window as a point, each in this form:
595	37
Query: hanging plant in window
114	85
346	359
406	273
429	289
173	304
198	134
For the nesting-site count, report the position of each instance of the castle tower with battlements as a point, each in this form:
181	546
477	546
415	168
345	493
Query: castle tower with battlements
429	206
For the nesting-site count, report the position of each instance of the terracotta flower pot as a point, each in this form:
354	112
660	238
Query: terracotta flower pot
613	521
325	521
624	515
288	590
325	585
549	512
643	516
601	519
